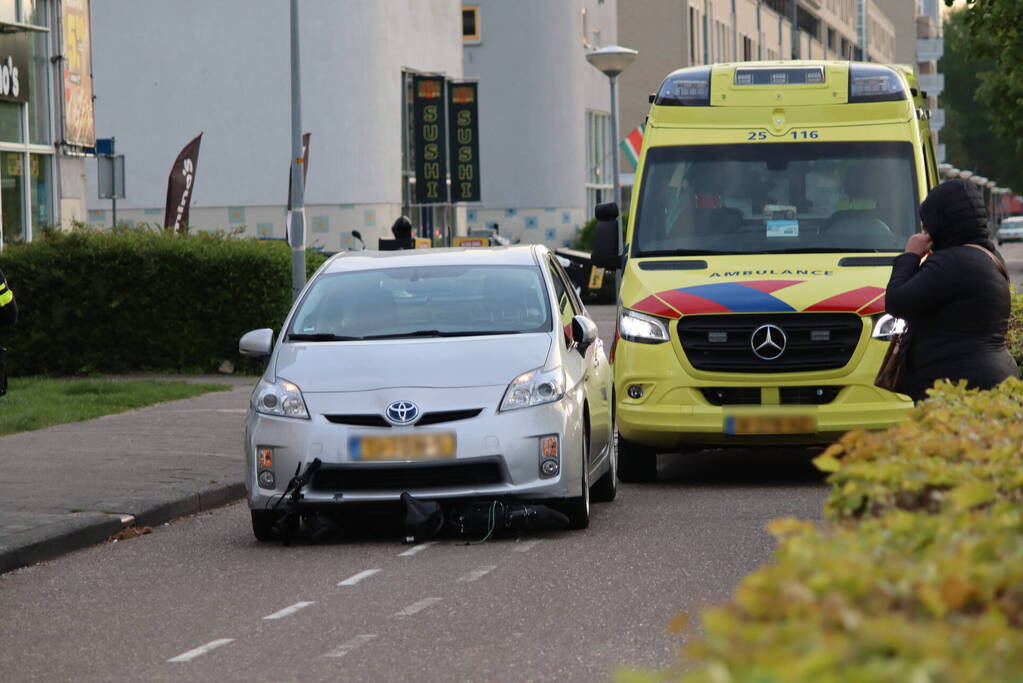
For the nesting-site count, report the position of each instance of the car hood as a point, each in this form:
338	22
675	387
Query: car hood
441	363
758	283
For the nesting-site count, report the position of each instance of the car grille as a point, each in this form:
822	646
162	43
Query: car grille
815	341
376	420
747	396
404	477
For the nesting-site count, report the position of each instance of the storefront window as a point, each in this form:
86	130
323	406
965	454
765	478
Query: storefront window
10	122
11	188
40	175
8	10
34	12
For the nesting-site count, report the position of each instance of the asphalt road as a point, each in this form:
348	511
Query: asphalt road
1013	254
200	599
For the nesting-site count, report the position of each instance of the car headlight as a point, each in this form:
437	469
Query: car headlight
642	328
887	326
534	388
281	398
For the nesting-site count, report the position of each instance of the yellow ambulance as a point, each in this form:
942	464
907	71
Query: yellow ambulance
771	198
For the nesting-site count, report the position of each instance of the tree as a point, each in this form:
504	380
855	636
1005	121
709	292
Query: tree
994	31
977	133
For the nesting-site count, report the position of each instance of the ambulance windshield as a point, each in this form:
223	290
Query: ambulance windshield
801	197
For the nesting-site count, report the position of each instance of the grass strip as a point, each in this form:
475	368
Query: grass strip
37	402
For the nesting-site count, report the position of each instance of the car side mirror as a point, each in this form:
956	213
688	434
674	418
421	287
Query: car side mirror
584	332
606	252
256	343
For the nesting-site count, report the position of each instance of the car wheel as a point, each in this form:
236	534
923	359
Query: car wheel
636	463
606	488
578	509
263	524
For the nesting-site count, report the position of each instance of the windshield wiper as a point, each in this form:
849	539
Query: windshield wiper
824	250
438	333
320	337
685	252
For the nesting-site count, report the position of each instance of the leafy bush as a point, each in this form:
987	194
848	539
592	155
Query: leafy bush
1015	337
917	574
134	299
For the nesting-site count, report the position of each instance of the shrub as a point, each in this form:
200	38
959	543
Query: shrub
130	300
917	573
1015	336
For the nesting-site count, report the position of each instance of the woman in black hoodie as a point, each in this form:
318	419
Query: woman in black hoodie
951	288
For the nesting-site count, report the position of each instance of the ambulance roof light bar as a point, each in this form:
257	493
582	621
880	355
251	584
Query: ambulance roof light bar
685	87
875	83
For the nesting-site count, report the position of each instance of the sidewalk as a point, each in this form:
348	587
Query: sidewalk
73	485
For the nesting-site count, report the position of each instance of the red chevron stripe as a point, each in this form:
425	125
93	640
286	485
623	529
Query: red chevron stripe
688	304
654	306
853	300
877	306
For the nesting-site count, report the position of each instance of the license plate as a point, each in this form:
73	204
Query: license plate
433	446
770	424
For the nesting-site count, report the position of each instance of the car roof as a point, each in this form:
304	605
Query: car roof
519	255
1012	219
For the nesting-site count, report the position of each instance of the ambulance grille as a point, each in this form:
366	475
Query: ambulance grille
814	341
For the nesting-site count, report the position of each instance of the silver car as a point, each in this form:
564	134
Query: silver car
446	374
1011	230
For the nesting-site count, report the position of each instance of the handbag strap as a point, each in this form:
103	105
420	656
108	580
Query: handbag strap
994	259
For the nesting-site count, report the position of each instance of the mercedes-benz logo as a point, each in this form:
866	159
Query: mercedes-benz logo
768	342
402	413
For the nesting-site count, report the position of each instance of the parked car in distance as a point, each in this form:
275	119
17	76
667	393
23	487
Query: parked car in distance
1011	230
450	374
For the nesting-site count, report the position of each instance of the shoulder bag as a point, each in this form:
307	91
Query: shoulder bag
890	374
994	259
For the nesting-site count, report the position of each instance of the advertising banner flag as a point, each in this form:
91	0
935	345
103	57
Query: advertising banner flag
79	127
464	142
180	185
428	139
632	144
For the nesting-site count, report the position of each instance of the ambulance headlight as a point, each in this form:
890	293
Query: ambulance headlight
644	329
887	326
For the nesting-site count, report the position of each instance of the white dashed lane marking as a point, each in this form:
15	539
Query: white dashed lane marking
201	650
352	580
287	611
416	549
417	607
349	645
477	573
527	546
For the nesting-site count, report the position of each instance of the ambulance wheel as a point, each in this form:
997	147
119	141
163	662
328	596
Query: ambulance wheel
636	463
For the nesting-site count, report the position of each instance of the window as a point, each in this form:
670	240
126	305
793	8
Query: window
692	36
565	312
471	24
598	160
747	49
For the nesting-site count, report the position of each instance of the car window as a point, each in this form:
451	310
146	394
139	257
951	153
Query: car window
566	310
423	301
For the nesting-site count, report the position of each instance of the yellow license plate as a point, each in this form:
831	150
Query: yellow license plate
770	424
433	446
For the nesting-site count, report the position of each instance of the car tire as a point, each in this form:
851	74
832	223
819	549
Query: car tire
636	463
263	524
606	488
578	509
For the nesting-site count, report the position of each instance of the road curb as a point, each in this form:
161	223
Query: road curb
78	531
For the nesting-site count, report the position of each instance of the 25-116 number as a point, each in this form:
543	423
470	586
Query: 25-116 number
757	135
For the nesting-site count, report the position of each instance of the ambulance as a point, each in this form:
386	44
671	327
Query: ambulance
770	201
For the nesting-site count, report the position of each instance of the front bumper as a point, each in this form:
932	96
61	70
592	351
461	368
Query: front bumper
496	456
674	413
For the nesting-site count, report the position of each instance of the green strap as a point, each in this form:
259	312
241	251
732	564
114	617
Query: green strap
6	298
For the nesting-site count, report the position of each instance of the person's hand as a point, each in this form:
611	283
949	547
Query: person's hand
919	244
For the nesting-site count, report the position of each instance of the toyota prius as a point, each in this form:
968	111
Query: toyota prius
444	374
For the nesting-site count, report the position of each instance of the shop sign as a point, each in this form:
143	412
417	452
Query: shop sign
14	67
79	127
464	131
428	139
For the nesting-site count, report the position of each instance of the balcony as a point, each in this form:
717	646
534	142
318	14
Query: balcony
937	119
932	84
929	49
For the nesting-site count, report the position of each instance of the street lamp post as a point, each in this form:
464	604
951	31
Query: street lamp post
612	61
297	226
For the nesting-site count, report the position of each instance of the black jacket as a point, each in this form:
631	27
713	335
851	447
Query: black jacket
957	303
8	306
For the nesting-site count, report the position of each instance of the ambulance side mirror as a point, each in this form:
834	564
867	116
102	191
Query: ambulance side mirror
606	252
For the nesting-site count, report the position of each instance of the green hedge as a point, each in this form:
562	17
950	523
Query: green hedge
917	572
130	300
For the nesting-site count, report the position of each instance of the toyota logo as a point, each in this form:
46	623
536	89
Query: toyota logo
402	413
768	342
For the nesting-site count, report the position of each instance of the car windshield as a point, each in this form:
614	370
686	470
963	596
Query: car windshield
776	197
423	301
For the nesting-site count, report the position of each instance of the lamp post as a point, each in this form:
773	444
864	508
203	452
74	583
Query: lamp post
297	226
611	61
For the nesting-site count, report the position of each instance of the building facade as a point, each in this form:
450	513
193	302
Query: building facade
223	69
45	115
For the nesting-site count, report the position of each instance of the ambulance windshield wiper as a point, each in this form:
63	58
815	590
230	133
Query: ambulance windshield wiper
320	337
686	252
823	250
